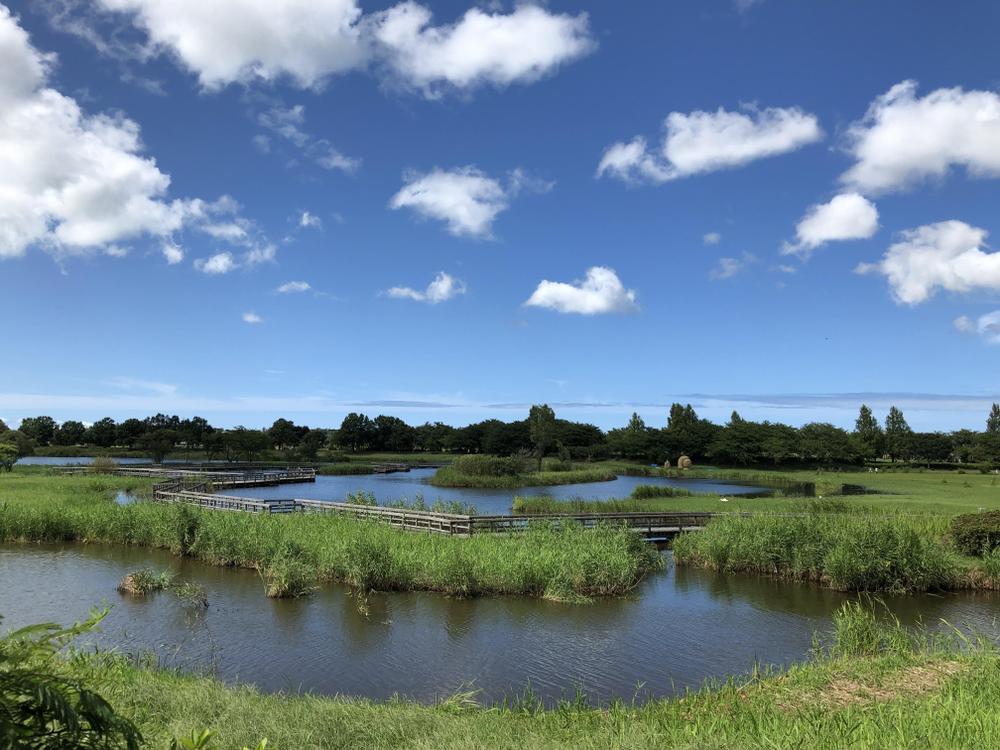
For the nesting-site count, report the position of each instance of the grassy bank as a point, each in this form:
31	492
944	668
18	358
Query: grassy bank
499	472
875	686
295	552
849	551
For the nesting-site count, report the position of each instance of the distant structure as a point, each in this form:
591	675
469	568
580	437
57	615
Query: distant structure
684	463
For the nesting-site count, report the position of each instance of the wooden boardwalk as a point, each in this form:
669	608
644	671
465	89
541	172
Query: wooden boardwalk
221	477
652	525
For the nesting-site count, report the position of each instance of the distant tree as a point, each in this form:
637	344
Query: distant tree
897	432
635	441
357	432
39	429
129	431
246	443
194	430
214	444
542	429
8	456
70	432
103	433
3	426
869	433
825	444
740	442
158	443
993	421
929	446
284	434
25	446
963	445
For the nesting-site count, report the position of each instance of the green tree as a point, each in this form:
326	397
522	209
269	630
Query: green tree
129	431
24	445
39	429
897	433
284	433
356	432
993	421
8	456
310	444
869	433
3	426
159	443
103	433
70	432
542	429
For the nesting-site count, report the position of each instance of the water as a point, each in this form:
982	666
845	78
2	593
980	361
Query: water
680	628
409	485
72	460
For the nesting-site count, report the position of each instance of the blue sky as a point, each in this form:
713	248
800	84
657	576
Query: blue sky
798	230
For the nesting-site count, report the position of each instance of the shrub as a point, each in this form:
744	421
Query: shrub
976	533
103	465
489	466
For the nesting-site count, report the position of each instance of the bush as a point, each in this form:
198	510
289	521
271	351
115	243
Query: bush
976	533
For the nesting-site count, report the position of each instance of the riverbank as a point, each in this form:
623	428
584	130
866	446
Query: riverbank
875	686
296	552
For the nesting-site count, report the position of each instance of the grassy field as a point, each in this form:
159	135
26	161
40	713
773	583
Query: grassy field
874	686
295	552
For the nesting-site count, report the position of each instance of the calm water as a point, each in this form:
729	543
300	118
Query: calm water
409	485
72	460
680	628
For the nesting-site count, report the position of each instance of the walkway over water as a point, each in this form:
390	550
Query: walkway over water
214	477
652	525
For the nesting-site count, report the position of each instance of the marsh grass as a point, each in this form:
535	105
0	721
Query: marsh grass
850	552
873	685
296	551
144	581
450	476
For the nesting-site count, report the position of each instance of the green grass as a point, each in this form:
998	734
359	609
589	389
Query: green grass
296	551
448	476
874	685
849	551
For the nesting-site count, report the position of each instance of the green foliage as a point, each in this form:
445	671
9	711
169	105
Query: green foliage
854	552
144	581
44	705
542	429
8	456
646	491
976	533
488	466
103	465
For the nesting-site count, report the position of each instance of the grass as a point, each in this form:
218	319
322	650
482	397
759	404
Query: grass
847	551
453	476
144	581
294	552
874	685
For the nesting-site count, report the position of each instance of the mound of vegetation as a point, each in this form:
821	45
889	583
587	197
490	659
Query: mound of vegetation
976	533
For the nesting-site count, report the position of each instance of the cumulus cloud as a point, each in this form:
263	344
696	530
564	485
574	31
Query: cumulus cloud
949	255
848	216
466	199
252	317
292	287
699	142
711	238
600	292
726	268
904	139
307	219
78	184
308	41
442	288
480	48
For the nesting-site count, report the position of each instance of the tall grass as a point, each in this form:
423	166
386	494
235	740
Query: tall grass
296	551
850	552
542	505
455	476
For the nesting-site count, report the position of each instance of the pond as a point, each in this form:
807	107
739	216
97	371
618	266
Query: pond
680	628
415	483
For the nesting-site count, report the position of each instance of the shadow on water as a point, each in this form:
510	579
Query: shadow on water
679	628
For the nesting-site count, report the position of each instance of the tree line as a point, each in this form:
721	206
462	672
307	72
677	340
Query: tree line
739	442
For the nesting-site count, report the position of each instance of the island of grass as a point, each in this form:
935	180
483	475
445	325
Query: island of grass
512	472
296	552
873	685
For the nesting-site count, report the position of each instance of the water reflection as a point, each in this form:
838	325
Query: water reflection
679	628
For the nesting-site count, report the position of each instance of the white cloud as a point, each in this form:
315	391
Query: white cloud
307	41
726	268
600	292
288	123
307	219
847	216
442	288
481	48
903	139
987	326
948	255
244	40
173	253
702	142
465	199
252	318
711	238
70	183
964	323
292	287
218	264
134	384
